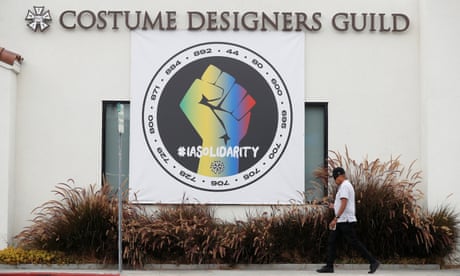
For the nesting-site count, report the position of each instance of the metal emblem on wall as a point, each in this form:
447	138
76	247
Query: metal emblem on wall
38	19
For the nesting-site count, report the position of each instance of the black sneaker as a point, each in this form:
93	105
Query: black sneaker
373	267
326	269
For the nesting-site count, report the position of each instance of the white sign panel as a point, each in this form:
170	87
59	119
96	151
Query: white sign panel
217	117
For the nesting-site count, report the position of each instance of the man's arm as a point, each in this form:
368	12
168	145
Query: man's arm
343	205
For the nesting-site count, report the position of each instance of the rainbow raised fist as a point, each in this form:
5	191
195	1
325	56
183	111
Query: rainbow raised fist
219	109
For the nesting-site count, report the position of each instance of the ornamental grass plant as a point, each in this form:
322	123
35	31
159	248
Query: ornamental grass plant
391	222
81	222
185	233
300	233
445	230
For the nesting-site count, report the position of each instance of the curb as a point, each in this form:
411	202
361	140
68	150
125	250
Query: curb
53	273
112	270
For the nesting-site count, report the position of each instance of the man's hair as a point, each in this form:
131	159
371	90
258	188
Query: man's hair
336	172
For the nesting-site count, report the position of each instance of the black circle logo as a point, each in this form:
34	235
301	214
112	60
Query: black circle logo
217	116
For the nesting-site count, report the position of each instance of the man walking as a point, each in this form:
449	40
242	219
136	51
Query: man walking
344	223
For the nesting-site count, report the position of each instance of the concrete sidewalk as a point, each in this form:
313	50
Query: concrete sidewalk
380	272
224	270
306	270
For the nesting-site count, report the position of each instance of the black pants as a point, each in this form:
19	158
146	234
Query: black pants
346	229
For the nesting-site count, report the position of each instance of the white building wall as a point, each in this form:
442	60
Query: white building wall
371	81
380	102
440	78
7	149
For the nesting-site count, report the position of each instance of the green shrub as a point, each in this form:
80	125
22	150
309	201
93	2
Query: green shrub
15	256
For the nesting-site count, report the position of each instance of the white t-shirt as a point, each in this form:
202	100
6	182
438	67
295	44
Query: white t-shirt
345	190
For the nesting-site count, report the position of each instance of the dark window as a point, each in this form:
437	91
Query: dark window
315	148
115	145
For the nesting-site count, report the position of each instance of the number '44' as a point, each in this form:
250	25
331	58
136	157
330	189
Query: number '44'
232	52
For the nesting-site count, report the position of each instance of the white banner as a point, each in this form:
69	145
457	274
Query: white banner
217	117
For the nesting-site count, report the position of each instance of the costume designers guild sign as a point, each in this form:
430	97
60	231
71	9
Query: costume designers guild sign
217	116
